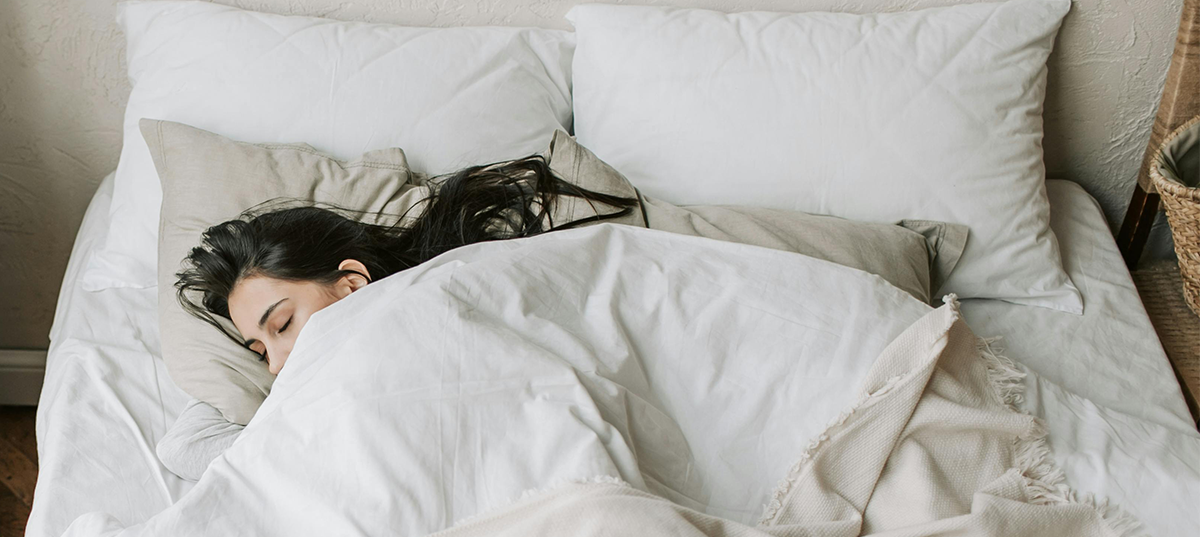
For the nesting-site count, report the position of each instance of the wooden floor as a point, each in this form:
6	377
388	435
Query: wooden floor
18	468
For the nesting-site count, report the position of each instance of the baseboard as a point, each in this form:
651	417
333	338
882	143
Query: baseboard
21	374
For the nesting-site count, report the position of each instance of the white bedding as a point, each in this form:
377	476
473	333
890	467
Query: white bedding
107	398
1118	424
691	368
1110	354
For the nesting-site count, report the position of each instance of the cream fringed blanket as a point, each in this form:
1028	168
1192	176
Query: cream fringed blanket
933	447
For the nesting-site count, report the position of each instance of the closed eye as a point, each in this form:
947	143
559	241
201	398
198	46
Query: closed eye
285	325
249	344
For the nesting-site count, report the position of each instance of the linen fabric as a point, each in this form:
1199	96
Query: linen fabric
893	464
915	256
200	435
931	114
445	391
451	97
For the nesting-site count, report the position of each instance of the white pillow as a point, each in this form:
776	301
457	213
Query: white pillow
933	114
450	97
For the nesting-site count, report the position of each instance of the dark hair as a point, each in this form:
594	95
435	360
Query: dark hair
306	243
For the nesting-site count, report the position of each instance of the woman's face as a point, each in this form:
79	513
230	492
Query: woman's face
269	312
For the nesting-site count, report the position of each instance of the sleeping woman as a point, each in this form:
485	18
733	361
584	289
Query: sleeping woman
269	272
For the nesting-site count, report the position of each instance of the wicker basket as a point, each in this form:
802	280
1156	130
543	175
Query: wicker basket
1175	171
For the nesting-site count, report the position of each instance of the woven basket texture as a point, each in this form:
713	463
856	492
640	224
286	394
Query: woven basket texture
1182	203
1177	327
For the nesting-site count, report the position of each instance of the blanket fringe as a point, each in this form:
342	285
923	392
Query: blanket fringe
594	480
772	508
1045	482
537	492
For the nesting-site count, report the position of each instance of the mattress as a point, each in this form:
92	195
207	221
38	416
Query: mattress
1118	424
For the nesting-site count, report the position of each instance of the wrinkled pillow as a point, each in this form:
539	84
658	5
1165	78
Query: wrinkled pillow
915	255
207	179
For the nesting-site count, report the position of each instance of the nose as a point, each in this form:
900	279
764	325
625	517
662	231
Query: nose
278	357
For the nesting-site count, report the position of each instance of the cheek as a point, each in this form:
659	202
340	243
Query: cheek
333	293
320	302
330	299
325	298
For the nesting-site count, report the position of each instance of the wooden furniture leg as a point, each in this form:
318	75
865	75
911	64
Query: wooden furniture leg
1143	209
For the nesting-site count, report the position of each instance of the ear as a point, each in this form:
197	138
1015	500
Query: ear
353	282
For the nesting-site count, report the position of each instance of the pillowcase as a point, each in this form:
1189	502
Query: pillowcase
931	114
915	256
207	179
451	97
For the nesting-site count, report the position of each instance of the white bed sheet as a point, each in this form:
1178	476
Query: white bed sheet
1119	427
1110	354
107	398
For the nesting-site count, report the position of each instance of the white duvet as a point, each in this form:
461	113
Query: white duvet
691	368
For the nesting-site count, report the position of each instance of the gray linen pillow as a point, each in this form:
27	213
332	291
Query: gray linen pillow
207	179
914	255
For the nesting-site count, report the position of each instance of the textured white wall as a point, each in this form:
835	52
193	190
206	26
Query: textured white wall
62	94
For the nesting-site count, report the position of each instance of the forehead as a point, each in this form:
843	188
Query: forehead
252	296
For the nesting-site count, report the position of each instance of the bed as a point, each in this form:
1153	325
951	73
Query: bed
1118	425
107	397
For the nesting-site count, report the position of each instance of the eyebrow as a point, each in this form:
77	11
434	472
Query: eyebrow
263	320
